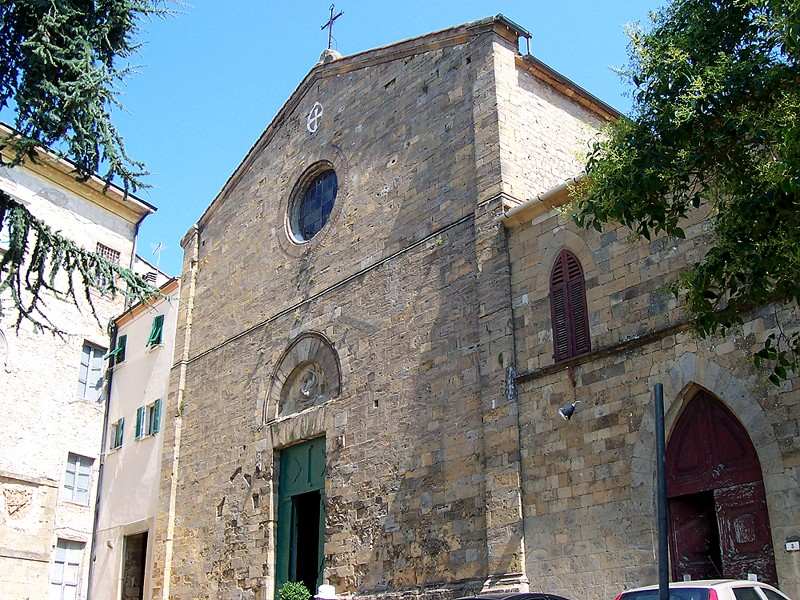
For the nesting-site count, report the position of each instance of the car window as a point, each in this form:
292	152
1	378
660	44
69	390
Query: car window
674	594
745	593
772	595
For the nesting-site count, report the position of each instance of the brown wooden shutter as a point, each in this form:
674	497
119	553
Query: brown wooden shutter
568	308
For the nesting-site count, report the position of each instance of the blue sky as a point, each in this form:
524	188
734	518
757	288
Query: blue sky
213	76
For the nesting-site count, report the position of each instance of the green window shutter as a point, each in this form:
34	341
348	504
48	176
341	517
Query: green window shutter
121	342
118	353
156	331
139	421
121	430
157	416
160	325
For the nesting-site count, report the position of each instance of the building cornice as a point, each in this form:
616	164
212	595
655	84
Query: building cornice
60	171
45	481
567	87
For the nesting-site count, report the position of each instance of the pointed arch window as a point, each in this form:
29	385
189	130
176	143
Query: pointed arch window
568	311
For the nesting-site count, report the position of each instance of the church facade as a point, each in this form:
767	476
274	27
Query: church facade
383	310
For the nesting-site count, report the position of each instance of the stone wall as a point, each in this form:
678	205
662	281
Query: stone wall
392	282
403	155
588	492
544	135
404	495
26	519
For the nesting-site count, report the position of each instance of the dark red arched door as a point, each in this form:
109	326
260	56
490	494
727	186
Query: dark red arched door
719	525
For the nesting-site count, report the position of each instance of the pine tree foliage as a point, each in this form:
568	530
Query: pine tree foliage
61	65
715	124
40	260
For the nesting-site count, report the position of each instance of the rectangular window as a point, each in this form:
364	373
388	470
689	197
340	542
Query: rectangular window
117	355
156	331
90	377
745	593
148	419
109	254
78	478
154	418
140	414
102	281
65	570
117	433
772	595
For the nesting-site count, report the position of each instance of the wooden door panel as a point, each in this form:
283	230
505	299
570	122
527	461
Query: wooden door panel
709	449
302	471
694	541
734	459
745	537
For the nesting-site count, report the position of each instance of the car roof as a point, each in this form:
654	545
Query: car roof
699	583
513	596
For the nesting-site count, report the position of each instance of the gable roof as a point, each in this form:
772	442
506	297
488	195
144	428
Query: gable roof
451	36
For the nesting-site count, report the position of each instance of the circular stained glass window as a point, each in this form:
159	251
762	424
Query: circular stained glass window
313	207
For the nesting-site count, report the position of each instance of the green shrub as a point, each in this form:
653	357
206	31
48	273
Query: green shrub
293	590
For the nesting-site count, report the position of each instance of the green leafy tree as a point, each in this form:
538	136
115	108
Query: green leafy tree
60	72
715	126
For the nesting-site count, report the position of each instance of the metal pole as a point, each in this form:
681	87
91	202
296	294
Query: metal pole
330	29
661	479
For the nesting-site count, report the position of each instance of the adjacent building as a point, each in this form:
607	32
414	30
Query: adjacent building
52	390
140	363
382	312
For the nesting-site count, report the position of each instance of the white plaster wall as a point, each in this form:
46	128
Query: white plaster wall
43	416
129	494
142	267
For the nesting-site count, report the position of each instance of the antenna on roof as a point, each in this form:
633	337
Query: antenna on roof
329	24
157	249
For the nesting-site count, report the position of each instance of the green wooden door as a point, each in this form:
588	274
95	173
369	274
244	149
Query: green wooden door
302	478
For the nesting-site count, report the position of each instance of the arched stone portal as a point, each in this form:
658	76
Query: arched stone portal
719	524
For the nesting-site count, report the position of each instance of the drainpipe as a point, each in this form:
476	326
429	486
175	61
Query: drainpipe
176	447
511	378
544	198
98	495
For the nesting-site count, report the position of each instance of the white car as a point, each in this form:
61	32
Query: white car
709	589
